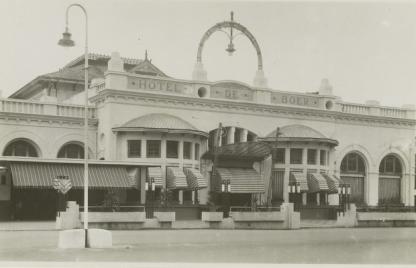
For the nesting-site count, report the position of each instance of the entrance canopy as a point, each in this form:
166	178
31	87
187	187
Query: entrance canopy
176	179
242	180
156	174
333	183
299	177
41	175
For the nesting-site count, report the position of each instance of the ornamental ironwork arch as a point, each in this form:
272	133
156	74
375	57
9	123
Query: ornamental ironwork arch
231	25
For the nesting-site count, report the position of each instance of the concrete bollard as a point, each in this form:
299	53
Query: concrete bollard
99	238
74	238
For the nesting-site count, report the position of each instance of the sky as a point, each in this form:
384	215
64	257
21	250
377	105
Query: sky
367	50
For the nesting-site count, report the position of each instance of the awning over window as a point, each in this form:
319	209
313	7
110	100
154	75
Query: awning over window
156	174
41	175
298	177
242	180
333	183
317	183
195	179
176	179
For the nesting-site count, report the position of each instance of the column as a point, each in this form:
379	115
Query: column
230	135
287	176
371	188
180	153
318	157
143	149
219	138
412	180
193	150
180	197
163	148
243	135
193	197
318	199
304	198
304	156
143	174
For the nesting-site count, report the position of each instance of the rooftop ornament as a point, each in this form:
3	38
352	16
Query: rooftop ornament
201	75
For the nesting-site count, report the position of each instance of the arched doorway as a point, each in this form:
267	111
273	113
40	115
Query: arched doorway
353	173
389	184
22	148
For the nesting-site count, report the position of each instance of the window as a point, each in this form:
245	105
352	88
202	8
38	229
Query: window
312	157
187	146
352	163
323	158
134	148
20	148
196	154
172	149
71	151
3	179
390	165
280	156
153	148
296	156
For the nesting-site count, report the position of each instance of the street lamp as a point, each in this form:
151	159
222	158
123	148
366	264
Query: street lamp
66	41
344	192
150	186
226	188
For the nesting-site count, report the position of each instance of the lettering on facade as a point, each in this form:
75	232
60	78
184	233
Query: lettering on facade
157	85
231	91
289	99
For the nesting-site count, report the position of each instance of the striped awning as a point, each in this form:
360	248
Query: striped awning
41	175
242	180
298	177
156	174
195	179
176	179
317	183
333	183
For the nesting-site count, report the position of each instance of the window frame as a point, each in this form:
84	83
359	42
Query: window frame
148	145
169	154
129	149
189	151
292	162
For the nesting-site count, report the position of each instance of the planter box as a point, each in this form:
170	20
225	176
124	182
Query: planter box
108	217
257	216
212	216
164	216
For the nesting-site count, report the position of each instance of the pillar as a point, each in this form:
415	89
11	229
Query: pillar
163	148
230	135
143	174
193	197
371	188
304	198
243	135
287	176
318	157
180	153
143	149
304	156
180	197
318	199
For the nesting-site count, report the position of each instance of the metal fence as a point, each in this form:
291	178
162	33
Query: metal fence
116	208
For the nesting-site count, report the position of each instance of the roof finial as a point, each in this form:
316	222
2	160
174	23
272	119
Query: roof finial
145	55
232	15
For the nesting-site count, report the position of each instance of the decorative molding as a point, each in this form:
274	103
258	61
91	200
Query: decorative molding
216	105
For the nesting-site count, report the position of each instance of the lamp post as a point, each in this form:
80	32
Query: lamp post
344	192
294	189
151	186
226	188
66	41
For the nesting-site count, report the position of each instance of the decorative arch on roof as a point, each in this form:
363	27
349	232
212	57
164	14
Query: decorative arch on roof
159	122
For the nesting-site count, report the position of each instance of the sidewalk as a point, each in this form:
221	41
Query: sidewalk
27	225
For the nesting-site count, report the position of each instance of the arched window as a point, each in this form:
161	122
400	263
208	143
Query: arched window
71	150
353	173
21	147
389	183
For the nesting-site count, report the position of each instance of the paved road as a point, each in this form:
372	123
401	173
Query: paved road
364	245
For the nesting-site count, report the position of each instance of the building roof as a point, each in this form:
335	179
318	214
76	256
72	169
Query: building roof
161	123
243	150
299	133
73	72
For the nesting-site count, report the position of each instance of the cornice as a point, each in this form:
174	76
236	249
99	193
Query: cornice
239	107
39	119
